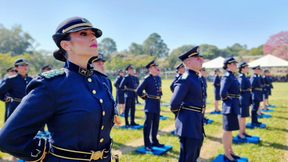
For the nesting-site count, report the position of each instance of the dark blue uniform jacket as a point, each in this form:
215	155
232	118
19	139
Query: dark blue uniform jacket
205	85
245	90
150	84
256	87
77	108
216	84
266	81
14	87
189	91
229	91
173	82
128	85
117	85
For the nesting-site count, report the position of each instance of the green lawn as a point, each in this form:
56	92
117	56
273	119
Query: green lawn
273	145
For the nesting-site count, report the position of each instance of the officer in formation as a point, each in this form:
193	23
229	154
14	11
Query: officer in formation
128	85
159	81
12	89
216	84
268	75
180	69
46	68
188	101
98	63
152	97
119	93
203	79
259	112
75	102
137	84
245	99
229	92
10	72
266	87
256	94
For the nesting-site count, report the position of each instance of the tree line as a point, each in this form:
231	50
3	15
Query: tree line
15	43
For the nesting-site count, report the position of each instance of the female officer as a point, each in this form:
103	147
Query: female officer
245	99
216	84
75	102
229	92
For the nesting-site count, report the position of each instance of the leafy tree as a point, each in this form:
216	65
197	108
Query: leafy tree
209	51
135	49
173	59
256	51
234	50
107	46
277	45
14	41
155	46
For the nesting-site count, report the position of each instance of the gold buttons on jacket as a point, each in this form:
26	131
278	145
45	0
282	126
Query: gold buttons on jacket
89	80
101	140
103	113
94	91
101	101
102	127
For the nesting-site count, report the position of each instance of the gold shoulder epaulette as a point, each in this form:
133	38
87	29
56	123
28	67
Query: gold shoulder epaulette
184	76
12	76
52	73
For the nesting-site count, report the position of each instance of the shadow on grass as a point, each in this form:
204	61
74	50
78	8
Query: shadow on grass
214	138
274	145
131	150
281	117
278	111
171	154
123	148
214	123
278	129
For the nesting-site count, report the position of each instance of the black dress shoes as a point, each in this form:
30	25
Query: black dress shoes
157	144
134	124
235	156
226	159
148	149
241	138
246	135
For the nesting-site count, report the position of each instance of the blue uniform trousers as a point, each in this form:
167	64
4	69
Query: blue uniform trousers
255	107
189	149
130	105
136	98
151	119
6	111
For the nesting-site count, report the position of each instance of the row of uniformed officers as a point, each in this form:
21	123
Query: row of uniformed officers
77	105
188	102
75	102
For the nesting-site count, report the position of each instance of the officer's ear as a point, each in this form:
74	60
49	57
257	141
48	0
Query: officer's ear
65	45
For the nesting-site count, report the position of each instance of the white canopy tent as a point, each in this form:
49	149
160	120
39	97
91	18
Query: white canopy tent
269	61
215	63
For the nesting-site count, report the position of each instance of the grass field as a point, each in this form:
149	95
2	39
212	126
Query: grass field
273	144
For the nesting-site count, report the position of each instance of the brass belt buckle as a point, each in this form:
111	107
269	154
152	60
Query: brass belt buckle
96	155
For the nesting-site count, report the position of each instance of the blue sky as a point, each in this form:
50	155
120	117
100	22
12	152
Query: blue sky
221	23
